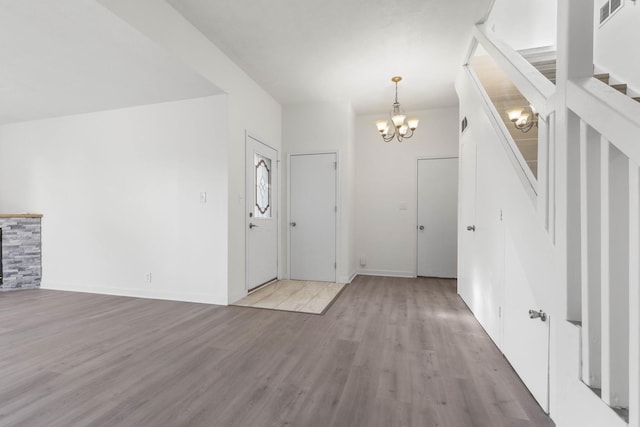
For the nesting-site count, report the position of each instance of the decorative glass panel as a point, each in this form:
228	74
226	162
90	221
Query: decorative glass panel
262	208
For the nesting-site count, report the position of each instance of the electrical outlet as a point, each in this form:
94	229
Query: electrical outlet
148	277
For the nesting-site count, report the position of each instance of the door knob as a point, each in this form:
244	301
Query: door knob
533	314
421	227
252	225
293	224
471	228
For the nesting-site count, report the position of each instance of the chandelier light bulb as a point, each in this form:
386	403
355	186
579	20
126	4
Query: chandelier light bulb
398	120
382	125
514	114
403	130
524	119
413	123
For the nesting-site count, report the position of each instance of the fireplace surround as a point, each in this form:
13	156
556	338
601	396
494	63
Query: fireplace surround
20	251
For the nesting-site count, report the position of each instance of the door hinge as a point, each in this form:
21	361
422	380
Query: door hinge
500	214
335	165
335	208
335	265
499	311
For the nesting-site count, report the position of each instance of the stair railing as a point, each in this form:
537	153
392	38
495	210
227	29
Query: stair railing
610	241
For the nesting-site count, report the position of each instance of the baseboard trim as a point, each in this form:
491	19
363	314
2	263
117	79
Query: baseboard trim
388	273
138	293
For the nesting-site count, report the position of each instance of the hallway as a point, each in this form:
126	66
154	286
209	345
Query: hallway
389	352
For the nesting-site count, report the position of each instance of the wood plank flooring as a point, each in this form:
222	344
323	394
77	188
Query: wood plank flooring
389	352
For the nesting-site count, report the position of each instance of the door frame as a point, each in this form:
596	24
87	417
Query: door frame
338	203
276	205
415	234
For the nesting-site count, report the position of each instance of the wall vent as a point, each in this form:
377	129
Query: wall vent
609	8
464	125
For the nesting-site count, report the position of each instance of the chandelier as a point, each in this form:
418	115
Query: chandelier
524	119
402	128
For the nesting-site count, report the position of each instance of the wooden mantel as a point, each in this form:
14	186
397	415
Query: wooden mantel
25	215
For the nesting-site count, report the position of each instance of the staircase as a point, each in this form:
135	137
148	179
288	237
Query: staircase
548	69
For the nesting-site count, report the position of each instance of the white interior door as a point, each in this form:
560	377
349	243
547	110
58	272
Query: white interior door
525	340
437	217
466	218
261	213
312	223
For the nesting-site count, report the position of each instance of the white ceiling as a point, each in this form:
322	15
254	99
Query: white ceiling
74	56
326	50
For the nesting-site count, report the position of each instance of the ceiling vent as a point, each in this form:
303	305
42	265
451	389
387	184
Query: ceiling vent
609	8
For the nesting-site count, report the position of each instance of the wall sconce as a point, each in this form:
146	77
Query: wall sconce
524	119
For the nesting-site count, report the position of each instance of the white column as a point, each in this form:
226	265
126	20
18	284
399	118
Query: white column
590	262
615	276
634	295
575	60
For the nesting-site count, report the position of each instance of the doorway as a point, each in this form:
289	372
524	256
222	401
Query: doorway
437	217
312	219
261	221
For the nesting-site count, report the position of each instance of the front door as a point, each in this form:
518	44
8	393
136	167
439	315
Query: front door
261	219
312	224
437	217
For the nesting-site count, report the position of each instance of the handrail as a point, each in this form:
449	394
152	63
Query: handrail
529	81
615	116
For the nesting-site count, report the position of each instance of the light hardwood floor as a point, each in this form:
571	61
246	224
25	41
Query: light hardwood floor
389	352
293	295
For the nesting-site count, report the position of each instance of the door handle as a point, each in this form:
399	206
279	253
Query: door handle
252	225
421	227
293	224
533	314
471	228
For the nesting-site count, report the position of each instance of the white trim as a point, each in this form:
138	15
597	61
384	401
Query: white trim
612	114
346	279
387	273
138	293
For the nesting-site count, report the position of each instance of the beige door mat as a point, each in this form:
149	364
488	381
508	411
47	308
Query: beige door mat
294	295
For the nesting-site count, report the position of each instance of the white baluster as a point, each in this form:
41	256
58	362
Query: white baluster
590	248
634	295
615	275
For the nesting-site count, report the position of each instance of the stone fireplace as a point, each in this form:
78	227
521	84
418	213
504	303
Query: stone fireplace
20	251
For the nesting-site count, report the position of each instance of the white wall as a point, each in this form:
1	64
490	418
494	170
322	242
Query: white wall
120	192
524	24
386	177
616	44
249	108
324	127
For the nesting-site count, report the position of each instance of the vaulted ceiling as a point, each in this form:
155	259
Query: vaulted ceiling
325	50
74	56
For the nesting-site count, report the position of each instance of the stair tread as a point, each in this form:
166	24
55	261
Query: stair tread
620	87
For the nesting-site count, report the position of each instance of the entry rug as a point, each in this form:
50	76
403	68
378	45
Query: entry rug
294	295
